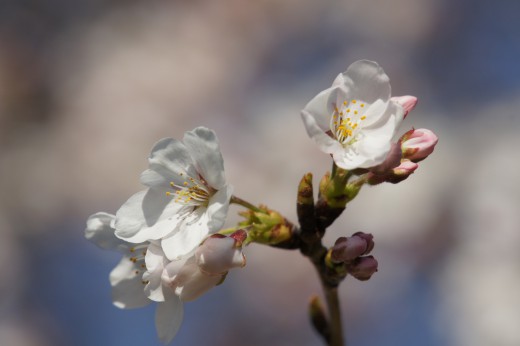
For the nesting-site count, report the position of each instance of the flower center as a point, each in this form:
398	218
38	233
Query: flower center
191	192
345	122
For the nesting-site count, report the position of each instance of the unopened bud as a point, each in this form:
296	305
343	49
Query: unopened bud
405	168
363	268
305	191
407	102
416	145
305	208
218	254
347	249
369	238
403	171
267	226
318	317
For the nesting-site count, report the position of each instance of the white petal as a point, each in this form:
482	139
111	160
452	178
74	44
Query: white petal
388	123
197	284
155	257
155	262
376	113
168	158
127	286
168	318
369	151
154	289
398	112
321	108
179	271
188	281
192	232
348	159
218	255
203	146
364	80
218	207
147	215
326	143
374	151
100	232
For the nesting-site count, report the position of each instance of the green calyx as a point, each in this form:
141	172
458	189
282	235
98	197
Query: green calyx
336	190
266	226
332	188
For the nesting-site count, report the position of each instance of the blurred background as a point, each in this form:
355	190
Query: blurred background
88	86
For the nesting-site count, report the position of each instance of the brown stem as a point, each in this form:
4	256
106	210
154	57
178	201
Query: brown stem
335	325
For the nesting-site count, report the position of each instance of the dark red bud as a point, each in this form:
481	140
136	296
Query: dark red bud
369	238
363	268
347	249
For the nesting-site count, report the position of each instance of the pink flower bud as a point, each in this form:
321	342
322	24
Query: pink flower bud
363	268
218	254
347	249
403	171
407	102
405	168
416	145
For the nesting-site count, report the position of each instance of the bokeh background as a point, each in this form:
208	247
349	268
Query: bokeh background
87	87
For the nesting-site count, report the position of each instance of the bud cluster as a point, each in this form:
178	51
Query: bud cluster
351	251
266	226
413	147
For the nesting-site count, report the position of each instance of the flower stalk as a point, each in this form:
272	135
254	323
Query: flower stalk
335	324
245	204
311	246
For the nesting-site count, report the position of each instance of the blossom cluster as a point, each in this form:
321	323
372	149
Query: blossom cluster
170	233
165	232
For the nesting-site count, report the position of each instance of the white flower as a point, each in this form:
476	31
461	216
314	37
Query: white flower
185	279
187	199
127	279
355	119
192	276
